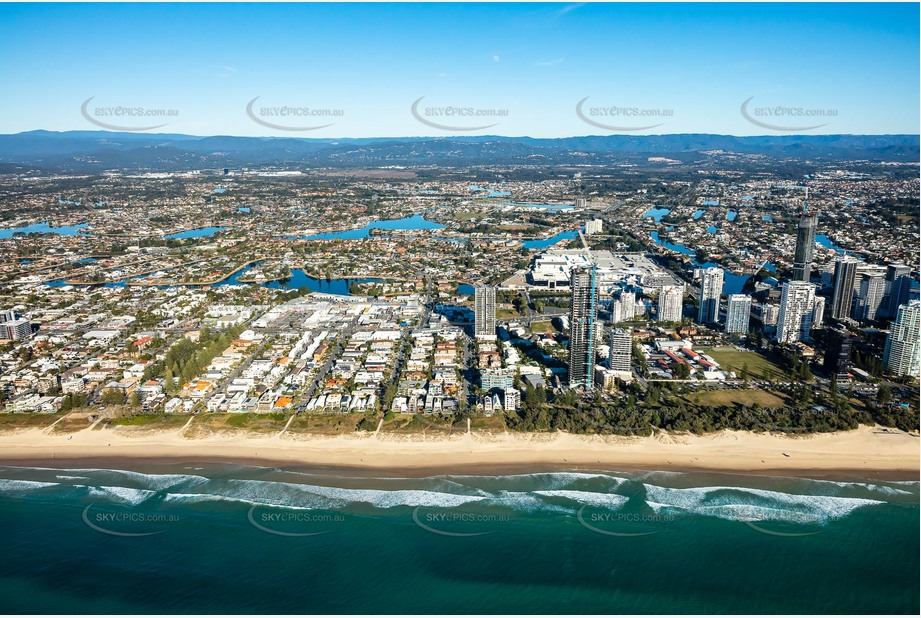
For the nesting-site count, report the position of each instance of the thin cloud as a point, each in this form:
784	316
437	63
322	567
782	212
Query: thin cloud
568	9
549	63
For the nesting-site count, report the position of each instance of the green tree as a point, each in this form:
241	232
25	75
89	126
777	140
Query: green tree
72	401
680	371
169	384
884	396
113	396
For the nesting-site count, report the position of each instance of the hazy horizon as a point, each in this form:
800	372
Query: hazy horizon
482	136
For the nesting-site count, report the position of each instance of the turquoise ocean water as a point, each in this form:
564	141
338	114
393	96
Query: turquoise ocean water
235	539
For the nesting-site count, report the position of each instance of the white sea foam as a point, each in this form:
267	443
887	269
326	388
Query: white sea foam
64	477
527	502
391	498
105	475
123	495
316	496
156	482
558	477
10	485
591	498
739	502
198	498
884	489
874	487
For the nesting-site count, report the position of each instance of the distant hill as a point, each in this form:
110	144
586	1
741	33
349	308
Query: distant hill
101	150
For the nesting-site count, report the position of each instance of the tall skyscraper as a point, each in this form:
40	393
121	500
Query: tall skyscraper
797	302
898	284
621	350
902	346
870	294
818	312
738	313
838	353
671	303
582	327
843	295
485	312
805	244
628	304
617	311
711	288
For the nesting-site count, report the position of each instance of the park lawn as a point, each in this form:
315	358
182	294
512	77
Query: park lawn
402	423
488	424
466	215
542	327
731	396
507	313
150	421
74	422
432	424
205	424
325	424
759	366
26	420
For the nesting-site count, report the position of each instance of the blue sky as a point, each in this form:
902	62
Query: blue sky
692	64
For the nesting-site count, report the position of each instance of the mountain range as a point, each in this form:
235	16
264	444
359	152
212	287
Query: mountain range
89	151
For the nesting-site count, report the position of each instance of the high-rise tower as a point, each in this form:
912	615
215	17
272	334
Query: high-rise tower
485	312
738	313
582	327
620	355
711	288
805	244
898	285
670	306
843	295
871	288
838	353
902	347
797	303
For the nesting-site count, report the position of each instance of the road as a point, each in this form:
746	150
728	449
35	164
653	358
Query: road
331	357
527	304
548	314
241	367
466	345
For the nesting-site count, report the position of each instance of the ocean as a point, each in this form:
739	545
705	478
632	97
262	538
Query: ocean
242	539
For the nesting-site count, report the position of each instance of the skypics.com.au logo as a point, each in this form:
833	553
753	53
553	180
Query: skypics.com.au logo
283	117
287	522
458	117
770	116
621	118
455	523
122	523
621	523
125	117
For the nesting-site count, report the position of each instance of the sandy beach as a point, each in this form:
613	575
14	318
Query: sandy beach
873	452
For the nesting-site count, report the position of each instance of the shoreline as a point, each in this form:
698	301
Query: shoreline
170	465
865	453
